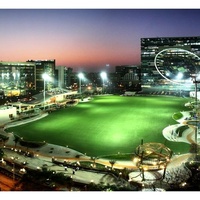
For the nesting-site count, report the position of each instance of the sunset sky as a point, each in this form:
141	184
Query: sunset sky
89	39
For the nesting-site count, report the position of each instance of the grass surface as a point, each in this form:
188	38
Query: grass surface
108	124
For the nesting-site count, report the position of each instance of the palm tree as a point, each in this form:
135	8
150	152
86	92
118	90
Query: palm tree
112	162
94	163
16	139
1	153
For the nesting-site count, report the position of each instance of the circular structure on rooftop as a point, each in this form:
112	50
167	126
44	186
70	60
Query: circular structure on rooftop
177	65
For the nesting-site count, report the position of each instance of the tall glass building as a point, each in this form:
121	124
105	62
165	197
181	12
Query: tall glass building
44	66
63	76
164	60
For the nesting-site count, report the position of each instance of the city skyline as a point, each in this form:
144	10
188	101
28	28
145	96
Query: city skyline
89	39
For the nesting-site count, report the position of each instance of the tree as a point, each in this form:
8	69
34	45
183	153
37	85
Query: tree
112	162
1	153
94	161
16	139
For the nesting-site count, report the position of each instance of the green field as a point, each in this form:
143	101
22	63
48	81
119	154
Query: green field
108	124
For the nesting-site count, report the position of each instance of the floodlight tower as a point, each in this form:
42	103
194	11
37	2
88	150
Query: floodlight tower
195	81
81	76
179	77
103	76
45	77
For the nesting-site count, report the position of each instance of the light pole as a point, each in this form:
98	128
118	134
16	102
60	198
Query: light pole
81	76
103	76
13	170
194	77
179	78
45	77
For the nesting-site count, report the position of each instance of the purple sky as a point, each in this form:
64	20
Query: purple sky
88	39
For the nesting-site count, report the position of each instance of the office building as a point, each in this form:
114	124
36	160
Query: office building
179	54
64	77
128	77
47	67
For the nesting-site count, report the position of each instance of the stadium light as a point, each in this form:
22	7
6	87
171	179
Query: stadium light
195	81
179	75
45	77
81	76
103	76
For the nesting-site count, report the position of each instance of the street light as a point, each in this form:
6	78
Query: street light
179	77
81	76
13	163
103	76
195	81
45	77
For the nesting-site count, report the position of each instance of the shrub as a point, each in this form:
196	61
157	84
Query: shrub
177	116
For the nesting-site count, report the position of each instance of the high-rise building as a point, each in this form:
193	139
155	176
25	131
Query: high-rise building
16	78
129	77
64	76
47	67
179	54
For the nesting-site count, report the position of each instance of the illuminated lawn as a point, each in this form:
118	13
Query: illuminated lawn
108	124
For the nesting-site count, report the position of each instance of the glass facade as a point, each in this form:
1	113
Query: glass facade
163	58
68	77
44	66
16	78
64	77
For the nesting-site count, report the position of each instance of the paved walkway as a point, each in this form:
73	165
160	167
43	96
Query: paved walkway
48	151
188	136
175	169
